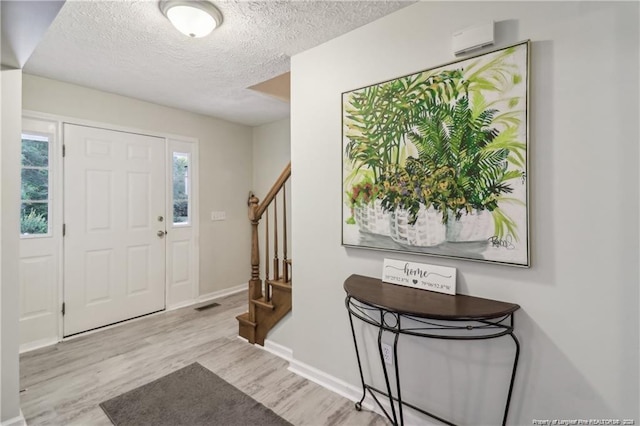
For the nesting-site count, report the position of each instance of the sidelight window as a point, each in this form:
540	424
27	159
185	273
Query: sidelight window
35	206
181	188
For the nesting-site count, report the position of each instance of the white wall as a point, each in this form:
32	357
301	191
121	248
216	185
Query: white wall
225	166
11	111
579	319
271	153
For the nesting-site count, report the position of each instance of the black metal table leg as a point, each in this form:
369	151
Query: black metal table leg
386	376
355	344
513	374
395	365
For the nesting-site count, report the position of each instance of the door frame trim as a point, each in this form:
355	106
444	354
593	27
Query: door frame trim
59	179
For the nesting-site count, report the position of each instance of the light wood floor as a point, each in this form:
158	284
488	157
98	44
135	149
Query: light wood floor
63	384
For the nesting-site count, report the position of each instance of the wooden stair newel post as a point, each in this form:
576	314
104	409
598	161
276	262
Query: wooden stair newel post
255	283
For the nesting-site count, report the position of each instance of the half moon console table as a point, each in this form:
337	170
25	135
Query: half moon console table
404	310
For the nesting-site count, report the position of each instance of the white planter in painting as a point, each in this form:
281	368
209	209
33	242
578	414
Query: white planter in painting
426	232
474	226
372	218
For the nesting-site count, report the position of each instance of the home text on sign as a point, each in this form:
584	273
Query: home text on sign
441	279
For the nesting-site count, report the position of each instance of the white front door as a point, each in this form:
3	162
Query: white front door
114	215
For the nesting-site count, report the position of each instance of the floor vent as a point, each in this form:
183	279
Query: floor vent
209	306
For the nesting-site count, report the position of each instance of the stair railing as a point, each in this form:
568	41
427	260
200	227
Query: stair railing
281	267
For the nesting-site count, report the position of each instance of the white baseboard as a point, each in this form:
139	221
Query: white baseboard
182	304
274	349
278	350
222	293
42	343
209	296
16	421
327	381
354	393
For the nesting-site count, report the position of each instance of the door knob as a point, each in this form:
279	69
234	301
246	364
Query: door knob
161	234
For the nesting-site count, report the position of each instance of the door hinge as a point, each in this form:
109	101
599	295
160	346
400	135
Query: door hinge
64	150
64	229
64	310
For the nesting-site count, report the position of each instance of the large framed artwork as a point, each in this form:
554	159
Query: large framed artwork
436	162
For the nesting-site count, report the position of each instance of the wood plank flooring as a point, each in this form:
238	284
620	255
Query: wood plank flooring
65	383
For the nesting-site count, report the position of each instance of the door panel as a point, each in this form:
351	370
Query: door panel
114	264
36	284
138	187
138	270
98	266
97	200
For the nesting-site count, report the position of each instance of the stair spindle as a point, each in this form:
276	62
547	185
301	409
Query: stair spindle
267	294
285	265
276	262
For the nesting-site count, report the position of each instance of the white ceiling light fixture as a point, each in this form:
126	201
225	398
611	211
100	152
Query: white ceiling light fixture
195	18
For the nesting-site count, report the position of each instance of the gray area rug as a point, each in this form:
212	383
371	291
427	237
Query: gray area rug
190	396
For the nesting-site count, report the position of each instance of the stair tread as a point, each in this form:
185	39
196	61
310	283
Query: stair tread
244	318
280	281
281	285
263	303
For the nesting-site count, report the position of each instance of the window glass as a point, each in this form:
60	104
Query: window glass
35	182
35	152
181	208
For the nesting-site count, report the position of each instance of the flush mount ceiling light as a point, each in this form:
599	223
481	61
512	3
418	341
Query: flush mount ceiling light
193	18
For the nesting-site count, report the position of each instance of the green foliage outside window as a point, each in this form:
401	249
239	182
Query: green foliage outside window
180	188
33	222
34	209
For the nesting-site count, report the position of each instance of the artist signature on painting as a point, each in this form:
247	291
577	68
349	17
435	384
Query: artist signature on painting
507	243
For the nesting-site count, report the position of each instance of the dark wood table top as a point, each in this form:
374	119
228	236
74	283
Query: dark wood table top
424	303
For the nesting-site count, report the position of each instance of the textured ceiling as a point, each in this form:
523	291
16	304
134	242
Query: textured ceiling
130	48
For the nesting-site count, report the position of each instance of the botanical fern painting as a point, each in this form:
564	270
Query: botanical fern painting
436	162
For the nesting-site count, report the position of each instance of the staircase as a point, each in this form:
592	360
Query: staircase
269	300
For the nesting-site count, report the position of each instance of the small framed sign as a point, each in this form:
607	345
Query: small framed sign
441	279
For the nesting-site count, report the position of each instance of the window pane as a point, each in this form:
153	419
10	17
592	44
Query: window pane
34	218
180	211
180	187
35	184
35	153
180	176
